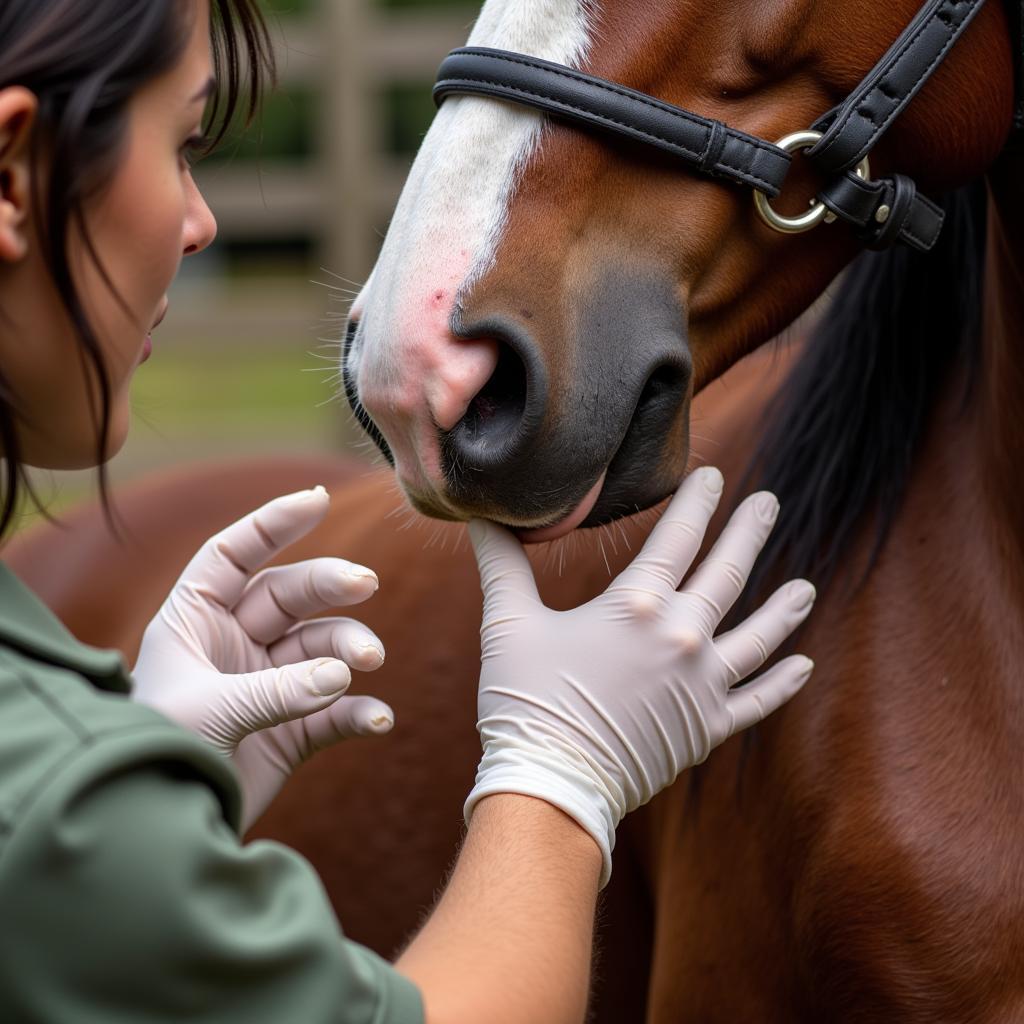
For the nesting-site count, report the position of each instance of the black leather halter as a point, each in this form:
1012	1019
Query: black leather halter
882	211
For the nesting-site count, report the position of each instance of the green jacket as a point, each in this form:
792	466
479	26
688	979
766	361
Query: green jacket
125	894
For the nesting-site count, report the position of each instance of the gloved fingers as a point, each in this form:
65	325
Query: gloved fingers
340	638
506	576
223	565
261	700
276	598
345	718
748	646
756	700
718	581
675	540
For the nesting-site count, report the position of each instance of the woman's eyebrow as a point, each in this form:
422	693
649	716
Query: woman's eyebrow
206	90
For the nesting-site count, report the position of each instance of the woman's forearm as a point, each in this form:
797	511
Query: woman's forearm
510	940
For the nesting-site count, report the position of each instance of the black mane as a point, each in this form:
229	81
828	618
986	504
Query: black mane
842	434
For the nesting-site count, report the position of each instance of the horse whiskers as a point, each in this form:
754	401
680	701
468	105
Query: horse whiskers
546	555
604	554
372	453
344	280
443	532
611	537
622	533
331	383
705	439
334	287
338	293
408	519
433	538
328	377
329	400
327	359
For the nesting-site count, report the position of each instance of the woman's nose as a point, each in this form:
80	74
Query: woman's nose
200	224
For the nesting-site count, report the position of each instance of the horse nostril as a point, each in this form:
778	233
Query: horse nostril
663	387
497	409
496	435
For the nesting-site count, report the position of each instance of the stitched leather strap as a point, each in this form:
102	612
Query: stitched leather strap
708	146
884	211
852	128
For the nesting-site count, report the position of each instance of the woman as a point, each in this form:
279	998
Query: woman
126	893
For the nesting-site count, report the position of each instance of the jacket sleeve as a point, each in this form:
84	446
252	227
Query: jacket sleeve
126	896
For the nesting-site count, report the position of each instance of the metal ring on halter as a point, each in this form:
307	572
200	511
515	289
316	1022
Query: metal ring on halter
818	211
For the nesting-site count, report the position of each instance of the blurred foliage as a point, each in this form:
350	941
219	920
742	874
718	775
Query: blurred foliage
408	109
284	129
289	8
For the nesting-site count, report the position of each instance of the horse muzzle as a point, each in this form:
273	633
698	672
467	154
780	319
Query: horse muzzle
583	420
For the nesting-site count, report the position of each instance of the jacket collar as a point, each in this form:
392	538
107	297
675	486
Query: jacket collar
28	626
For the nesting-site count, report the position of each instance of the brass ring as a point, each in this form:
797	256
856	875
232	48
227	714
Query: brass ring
818	211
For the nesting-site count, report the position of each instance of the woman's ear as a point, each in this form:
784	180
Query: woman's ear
17	115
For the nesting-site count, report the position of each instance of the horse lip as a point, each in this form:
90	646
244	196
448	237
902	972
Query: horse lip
568	522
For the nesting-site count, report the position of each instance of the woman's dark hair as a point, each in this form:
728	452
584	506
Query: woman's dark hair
84	60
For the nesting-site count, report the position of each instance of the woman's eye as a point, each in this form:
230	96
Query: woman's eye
193	150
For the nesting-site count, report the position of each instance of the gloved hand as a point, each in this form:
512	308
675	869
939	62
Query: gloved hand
597	709
231	656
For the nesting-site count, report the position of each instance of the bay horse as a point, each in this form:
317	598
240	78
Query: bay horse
545	308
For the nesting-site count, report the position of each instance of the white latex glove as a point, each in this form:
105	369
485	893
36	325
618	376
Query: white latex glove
597	709
231	656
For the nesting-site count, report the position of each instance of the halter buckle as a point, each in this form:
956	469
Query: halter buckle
818	211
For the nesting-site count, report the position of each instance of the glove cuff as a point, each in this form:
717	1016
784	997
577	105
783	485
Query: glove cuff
551	779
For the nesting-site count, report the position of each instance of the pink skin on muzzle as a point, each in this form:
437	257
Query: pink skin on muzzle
428	389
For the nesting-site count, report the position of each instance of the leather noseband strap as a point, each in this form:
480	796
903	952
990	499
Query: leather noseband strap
706	145
882	211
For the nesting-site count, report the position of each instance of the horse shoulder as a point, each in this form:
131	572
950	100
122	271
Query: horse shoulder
910	887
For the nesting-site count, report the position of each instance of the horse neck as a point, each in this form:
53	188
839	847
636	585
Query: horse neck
1000	420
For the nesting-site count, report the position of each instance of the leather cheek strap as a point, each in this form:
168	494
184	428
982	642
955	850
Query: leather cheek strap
853	128
884	211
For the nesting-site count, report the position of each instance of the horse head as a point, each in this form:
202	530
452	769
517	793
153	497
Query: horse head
547	301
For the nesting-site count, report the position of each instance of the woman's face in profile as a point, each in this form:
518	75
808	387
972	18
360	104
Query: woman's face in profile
140	225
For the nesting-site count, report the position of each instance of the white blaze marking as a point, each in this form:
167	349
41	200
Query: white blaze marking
453	206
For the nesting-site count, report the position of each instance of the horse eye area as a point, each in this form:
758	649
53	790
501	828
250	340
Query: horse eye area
496	411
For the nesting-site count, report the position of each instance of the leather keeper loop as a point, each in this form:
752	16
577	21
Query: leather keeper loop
900	200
